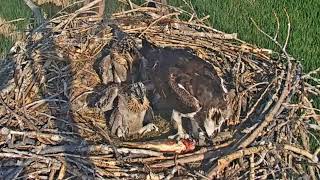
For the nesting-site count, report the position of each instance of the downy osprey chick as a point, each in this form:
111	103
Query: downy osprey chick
121	62
129	106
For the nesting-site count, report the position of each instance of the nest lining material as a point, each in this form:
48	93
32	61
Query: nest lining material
48	130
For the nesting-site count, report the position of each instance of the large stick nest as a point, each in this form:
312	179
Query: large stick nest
49	132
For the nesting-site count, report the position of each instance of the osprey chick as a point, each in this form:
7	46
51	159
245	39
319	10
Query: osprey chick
129	106
122	61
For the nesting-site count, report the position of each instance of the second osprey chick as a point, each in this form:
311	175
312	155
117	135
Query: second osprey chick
129	107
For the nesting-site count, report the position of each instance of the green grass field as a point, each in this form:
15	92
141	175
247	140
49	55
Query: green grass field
234	16
9	10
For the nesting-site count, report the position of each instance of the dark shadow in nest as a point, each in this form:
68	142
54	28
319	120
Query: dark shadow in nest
7	68
63	111
97	63
98	92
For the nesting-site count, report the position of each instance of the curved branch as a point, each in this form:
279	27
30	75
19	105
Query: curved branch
36	12
226	160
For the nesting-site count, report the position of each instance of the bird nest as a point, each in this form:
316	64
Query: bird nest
49	130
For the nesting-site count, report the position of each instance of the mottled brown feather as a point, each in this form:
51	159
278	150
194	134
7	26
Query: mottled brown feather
135	106
183	94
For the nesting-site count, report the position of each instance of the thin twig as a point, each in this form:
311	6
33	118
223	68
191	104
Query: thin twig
156	21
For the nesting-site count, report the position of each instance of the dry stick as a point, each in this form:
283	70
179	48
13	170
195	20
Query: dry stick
36	11
226	160
36	173
306	107
66	7
267	105
52	173
252	167
206	27
205	18
268	36
140	9
312	89
62	171
43	101
314	79
300	152
50	138
149	159
307	76
316	152
126	2
192	9
20	119
130	4
259	100
75	14
306	146
194	174
8	153
12	21
106	137
156	21
177	9
274	96
288	34
278	26
88	6
115	175
191	18
17	172
184	159
91	149
204	34
85	167
67	122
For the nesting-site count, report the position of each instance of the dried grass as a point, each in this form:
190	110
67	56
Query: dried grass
9	30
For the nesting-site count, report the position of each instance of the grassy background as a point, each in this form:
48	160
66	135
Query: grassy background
234	16
9	10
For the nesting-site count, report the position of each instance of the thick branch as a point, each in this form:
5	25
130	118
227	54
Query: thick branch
36	12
